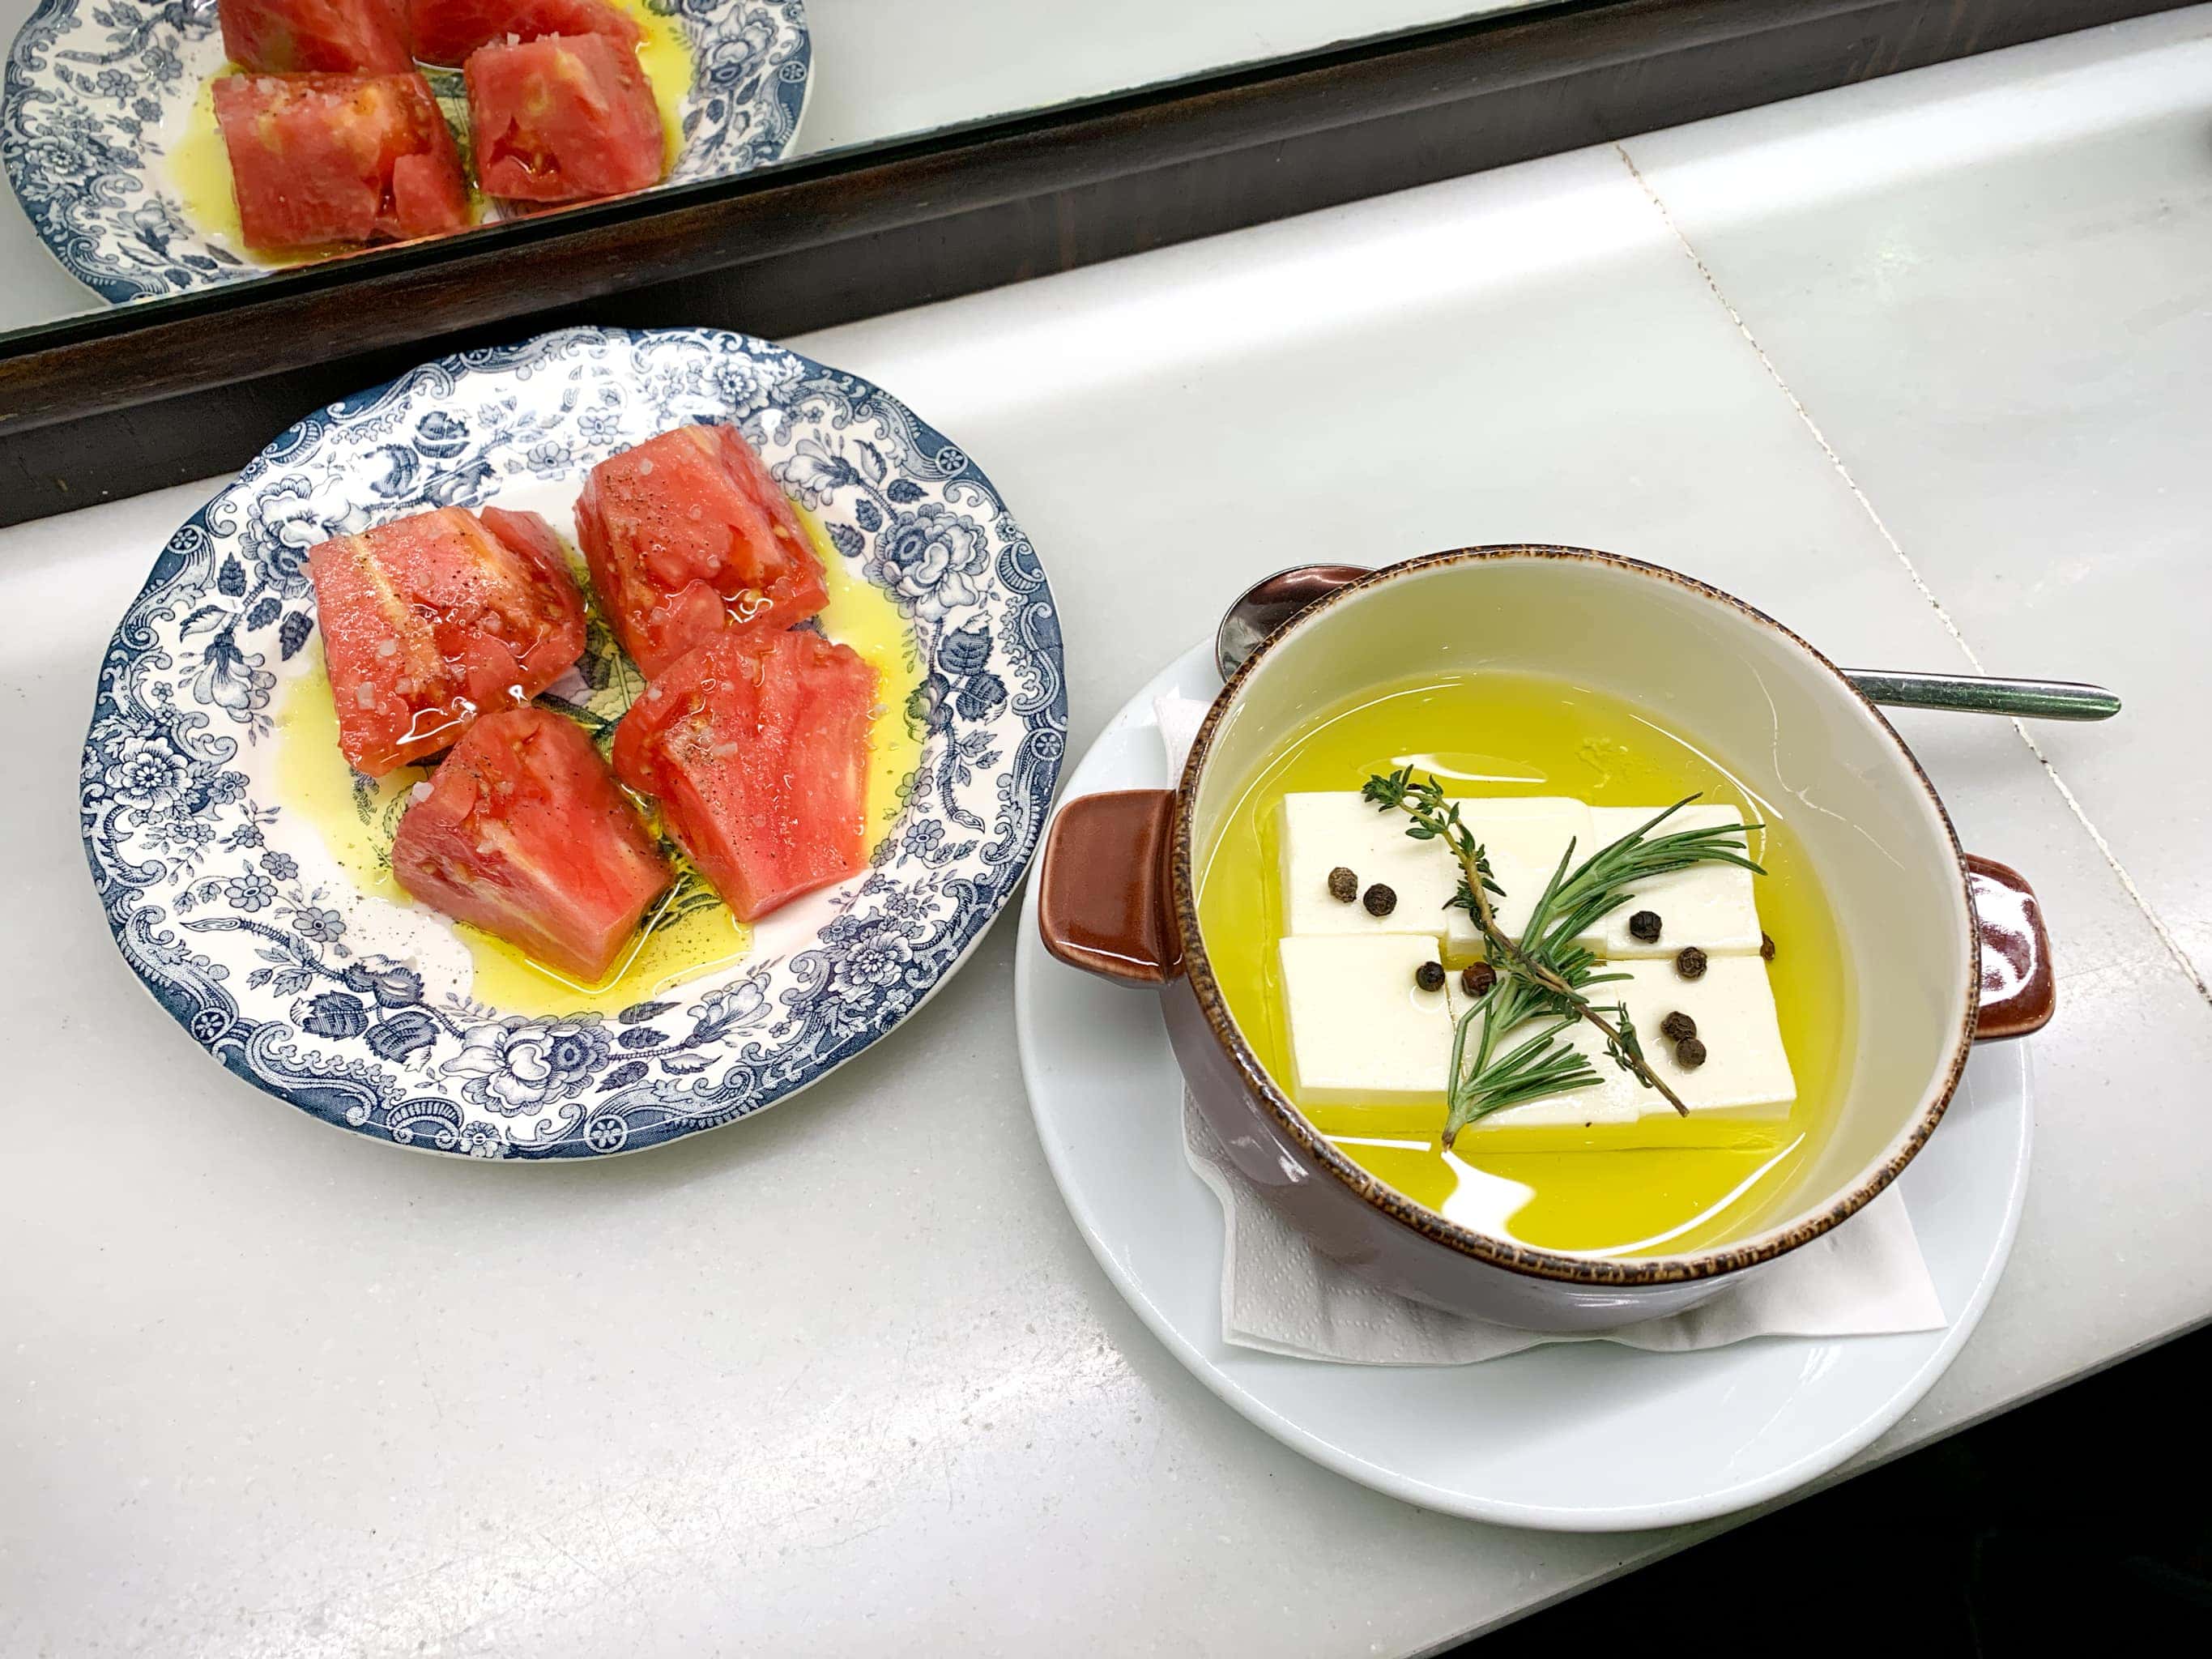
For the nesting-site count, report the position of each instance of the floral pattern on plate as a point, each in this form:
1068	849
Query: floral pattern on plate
360	1010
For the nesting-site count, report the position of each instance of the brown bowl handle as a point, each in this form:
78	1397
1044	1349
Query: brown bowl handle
2018	992
1102	895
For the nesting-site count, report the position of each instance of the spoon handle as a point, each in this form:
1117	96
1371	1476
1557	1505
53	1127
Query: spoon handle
1977	694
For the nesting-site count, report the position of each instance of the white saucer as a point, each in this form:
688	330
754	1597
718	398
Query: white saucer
1583	1437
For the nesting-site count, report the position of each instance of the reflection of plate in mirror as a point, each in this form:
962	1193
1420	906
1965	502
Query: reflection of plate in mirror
108	136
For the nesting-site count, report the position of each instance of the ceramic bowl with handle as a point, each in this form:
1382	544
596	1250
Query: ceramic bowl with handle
1941	950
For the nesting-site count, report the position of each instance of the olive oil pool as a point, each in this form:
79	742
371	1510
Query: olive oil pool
1494	734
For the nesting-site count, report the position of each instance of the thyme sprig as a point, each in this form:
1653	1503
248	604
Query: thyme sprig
1546	975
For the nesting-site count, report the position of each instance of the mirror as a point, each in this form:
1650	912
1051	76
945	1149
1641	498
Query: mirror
145	165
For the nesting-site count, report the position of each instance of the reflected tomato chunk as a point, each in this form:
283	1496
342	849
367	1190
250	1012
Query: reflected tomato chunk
688	537
757	748
431	620
524	834
562	118
447	31
319	159
286	37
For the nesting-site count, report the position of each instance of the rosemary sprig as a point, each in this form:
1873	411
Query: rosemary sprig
1546	974
1538	1066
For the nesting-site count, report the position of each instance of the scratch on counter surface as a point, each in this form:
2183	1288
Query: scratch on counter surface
2127	882
727	1504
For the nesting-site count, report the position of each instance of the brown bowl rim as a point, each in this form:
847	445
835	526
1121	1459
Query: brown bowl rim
1607	1272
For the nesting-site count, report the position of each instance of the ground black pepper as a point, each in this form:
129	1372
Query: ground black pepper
1343	885
1644	925
1689	1054
1379	900
1690	962
1430	976
1476	979
1678	1026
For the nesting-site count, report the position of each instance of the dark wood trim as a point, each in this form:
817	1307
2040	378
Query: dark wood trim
130	399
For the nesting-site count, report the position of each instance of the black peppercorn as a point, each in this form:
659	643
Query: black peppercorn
1678	1027
1689	1054
1476	979
1379	900
1430	976
1767	947
1343	885
1644	925
1690	962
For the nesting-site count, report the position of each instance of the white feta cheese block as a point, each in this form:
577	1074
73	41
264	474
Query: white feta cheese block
1361	1033
1745	1083
1711	906
1523	837
1320	831
1745	1076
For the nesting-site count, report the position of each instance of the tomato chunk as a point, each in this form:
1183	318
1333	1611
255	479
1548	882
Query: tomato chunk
319	159
429	196
688	537
285	37
524	835
563	117
431	620
447	31
757	748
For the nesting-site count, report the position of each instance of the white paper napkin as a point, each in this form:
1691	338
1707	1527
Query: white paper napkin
1280	1295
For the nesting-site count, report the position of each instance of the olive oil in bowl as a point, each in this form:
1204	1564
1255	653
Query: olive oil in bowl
1491	734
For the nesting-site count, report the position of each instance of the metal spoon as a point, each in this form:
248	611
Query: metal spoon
1274	601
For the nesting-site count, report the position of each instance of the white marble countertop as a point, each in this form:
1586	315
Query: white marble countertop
1922	367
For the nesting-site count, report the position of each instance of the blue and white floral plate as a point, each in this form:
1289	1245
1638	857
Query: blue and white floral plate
96	93
360	1010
